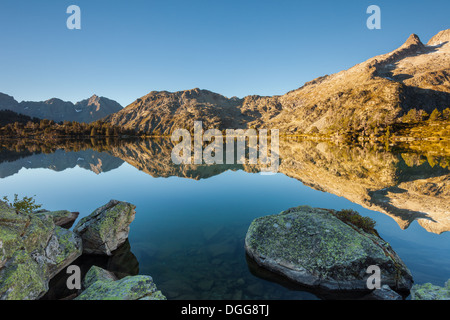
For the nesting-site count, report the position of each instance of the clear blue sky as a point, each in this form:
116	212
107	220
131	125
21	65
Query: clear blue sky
126	49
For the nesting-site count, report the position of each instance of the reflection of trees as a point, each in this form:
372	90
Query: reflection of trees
407	182
40	146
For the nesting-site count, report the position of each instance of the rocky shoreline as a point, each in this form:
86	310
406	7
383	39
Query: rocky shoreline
35	247
312	248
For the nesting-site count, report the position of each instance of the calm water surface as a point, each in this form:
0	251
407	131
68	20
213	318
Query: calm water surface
189	234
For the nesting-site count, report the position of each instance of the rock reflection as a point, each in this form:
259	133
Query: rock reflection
406	182
122	263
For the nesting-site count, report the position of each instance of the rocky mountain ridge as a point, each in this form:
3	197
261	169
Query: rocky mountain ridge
88	110
369	95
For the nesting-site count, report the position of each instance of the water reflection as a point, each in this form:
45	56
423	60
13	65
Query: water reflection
405	182
193	247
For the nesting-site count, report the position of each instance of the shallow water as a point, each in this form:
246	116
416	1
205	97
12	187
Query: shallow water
188	234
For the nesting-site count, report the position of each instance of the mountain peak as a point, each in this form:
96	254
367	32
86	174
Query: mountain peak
54	101
93	99
88	110
413	40
442	37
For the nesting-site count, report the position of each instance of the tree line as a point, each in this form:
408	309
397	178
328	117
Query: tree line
418	115
45	128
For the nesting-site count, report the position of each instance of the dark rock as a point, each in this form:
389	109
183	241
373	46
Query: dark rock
105	229
313	248
384	293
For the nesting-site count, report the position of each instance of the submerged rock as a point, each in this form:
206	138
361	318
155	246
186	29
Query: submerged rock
313	248
121	264
429	291
32	250
100	285
105	229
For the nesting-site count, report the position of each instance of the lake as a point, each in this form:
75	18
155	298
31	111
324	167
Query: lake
191	220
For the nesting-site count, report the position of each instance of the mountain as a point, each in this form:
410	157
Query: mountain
88	110
162	111
369	95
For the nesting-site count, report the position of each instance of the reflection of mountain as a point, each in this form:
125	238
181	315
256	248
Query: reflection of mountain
154	158
376	179
427	200
406	185
58	161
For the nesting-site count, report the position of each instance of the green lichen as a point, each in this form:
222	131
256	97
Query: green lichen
291	236
37	233
113	219
317	241
128	288
96	274
22	231
107	221
26	263
429	291
21	279
67	244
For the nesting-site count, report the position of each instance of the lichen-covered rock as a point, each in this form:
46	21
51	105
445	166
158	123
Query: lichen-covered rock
62	249
429	291
32	251
313	248
102	286
22	278
105	229
62	218
97	274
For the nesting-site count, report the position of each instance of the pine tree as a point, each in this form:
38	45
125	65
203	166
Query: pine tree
435	115
446	114
410	116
